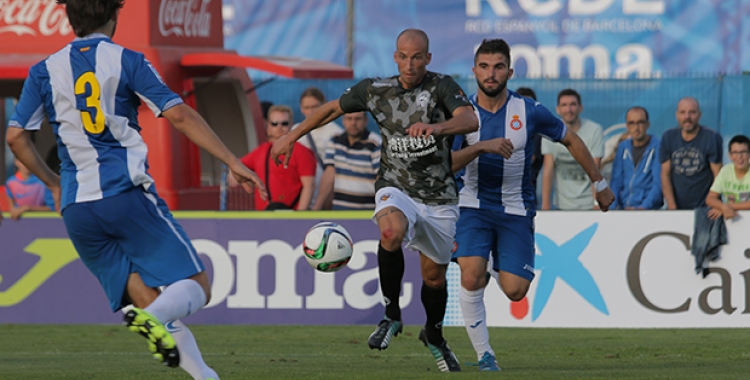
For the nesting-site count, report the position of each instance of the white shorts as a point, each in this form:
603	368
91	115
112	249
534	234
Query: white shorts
432	228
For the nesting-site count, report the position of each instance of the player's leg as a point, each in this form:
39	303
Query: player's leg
162	256
515	255
435	299
191	360
393	224
475	239
434	237
102	252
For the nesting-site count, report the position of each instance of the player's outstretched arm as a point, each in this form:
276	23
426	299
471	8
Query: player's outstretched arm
463	120
19	141
325	114
576	147
195	128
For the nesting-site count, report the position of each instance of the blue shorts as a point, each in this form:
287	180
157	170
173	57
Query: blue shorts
509	238
127	233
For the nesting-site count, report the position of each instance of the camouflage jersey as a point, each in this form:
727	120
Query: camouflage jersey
420	167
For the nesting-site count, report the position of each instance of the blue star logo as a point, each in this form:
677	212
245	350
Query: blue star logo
562	262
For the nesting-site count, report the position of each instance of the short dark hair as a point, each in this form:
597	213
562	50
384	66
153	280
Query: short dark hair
525	91
493	46
739	139
637	108
313	92
86	16
567	92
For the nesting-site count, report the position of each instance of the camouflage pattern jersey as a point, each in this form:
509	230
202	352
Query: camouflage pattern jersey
420	167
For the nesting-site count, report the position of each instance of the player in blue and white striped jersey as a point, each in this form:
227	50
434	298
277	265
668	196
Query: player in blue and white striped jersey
90	92
497	200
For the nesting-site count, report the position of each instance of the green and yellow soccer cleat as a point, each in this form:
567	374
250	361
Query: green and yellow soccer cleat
160	342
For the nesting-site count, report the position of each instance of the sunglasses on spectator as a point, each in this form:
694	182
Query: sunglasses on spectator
276	123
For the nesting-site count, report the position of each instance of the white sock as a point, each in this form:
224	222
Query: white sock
190	356
177	301
475	319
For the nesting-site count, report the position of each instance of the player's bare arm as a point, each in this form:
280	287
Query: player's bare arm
325	114
195	128
463	121
461	158
19	141
576	147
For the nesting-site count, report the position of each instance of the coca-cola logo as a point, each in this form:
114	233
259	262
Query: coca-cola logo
33	17
184	18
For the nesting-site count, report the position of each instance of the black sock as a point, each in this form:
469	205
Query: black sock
434	301
391	270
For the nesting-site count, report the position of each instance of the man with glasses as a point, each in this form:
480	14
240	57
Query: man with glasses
636	170
731	189
690	156
287	187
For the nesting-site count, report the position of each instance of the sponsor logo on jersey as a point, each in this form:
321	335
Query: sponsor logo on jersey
385	197
382	84
516	123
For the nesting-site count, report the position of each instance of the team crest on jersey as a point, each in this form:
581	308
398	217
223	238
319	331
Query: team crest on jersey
516	123
423	98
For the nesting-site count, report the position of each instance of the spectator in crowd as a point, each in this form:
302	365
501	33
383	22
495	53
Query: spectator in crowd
690	156
286	188
610	149
26	192
572	187
731	188
264	107
636	171
351	164
317	140
537	159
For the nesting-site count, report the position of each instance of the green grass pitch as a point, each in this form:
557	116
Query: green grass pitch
341	352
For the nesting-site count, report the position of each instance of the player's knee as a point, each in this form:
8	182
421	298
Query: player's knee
391	239
516	294
434	282
472	283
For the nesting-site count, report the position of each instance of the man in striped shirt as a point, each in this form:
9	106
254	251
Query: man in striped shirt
351	164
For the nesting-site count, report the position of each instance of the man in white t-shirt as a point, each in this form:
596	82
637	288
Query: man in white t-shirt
309	101
572	188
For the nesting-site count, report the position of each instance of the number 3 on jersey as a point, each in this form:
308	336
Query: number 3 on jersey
91	116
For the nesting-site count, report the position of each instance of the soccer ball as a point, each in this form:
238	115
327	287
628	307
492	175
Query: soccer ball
327	247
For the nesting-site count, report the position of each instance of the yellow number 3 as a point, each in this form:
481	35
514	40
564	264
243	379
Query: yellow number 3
92	123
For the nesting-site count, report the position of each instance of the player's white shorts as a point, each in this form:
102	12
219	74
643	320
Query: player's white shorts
432	228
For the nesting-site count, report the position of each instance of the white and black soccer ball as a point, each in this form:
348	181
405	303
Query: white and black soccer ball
327	247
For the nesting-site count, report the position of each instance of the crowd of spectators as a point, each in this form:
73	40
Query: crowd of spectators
336	167
674	171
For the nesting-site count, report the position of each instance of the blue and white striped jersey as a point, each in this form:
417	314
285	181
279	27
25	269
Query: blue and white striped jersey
491	182
90	92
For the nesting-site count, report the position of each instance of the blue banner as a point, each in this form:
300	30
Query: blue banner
548	38
313	29
554	38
